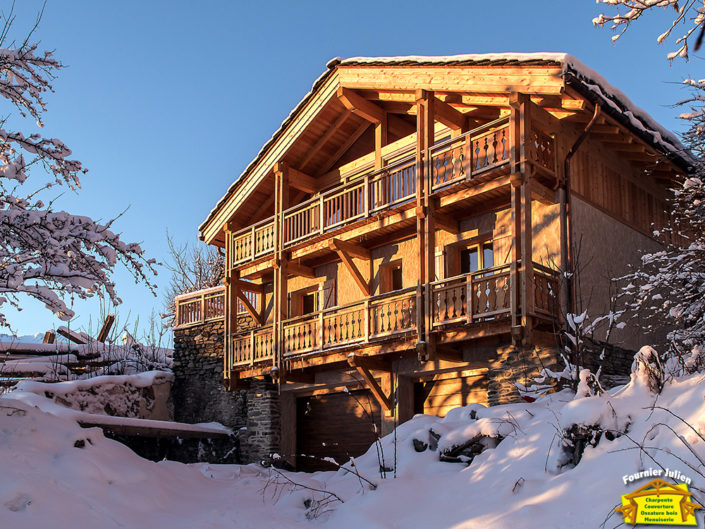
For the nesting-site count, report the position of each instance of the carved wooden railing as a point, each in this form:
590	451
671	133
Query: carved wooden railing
542	151
366	321
200	306
471	297
546	288
467	156
458	159
479	296
249	349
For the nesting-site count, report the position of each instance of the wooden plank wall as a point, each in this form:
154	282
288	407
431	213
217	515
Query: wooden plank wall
607	182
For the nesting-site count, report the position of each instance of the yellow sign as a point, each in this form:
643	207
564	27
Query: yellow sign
659	503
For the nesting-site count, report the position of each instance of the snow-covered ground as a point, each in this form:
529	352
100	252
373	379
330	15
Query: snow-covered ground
51	479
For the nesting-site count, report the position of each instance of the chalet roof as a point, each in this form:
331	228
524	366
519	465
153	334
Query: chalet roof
577	75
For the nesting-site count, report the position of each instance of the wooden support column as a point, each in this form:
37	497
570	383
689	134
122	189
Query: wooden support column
521	216
425	226
280	309
381	133
230	308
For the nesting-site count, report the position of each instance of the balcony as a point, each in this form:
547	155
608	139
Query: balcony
207	305
458	301
369	194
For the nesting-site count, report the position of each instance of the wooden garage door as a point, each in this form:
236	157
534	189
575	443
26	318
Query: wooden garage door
438	397
337	425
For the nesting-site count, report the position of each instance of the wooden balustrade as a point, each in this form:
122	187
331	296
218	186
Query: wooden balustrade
393	314
248	349
452	161
205	305
344	205
546	289
393	185
468	155
542	151
479	296
471	297
200	306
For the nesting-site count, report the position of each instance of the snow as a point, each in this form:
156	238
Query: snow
526	481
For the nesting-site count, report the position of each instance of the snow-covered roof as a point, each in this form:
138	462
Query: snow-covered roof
579	76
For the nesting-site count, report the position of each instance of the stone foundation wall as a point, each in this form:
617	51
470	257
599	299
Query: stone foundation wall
516	364
263	435
198	393
199	396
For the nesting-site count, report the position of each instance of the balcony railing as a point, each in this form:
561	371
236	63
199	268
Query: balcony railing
200	306
471	297
371	192
206	305
460	300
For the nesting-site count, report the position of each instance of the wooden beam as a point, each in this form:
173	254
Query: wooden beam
448	115
324	139
247	286
542	193
446	223
352	268
357	104
303	182
248	306
355	250
105	329
296	269
49	336
72	336
371	382
344	147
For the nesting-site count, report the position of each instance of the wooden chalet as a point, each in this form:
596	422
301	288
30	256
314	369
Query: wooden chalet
395	248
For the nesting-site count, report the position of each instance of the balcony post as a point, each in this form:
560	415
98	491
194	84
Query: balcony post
522	247
425	228
203	308
252	347
253	245
281	202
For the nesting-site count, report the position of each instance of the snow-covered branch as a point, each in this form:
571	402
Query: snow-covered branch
689	12
48	254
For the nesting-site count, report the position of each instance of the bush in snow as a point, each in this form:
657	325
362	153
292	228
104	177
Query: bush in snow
647	369
45	253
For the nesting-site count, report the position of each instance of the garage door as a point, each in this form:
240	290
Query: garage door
438	397
337	425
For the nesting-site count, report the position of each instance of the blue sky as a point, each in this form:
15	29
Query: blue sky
167	102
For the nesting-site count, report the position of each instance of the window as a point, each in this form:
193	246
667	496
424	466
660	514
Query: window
309	303
391	277
474	258
305	301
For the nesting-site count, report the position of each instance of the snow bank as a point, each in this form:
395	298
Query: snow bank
523	481
143	395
